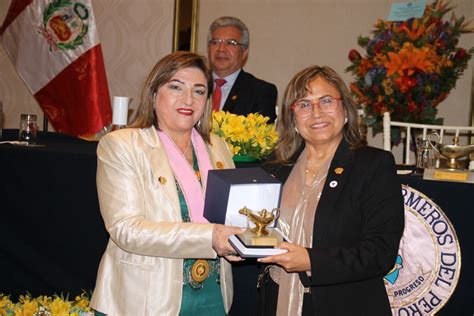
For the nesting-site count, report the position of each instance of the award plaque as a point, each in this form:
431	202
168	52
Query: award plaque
225	192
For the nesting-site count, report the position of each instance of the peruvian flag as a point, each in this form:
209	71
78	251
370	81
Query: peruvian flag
55	48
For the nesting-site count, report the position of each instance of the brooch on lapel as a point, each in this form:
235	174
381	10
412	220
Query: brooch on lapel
339	170
162	180
233	98
220	165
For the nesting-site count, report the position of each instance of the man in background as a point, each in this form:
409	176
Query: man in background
235	90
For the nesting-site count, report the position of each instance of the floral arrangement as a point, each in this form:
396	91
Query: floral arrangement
410	67
249	135
45	306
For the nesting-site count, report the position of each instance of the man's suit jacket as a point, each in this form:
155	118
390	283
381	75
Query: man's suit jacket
141	271
358	225
250	95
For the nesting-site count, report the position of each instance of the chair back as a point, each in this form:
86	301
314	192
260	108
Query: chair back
440	129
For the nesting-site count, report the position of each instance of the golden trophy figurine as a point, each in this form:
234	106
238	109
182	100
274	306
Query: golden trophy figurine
455	153
260	235
452	161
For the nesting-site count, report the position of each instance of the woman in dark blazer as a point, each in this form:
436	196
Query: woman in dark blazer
341	208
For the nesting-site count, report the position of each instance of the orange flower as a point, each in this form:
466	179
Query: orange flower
417	59
408	60
415	31
395	64
356	90
380	59
364	66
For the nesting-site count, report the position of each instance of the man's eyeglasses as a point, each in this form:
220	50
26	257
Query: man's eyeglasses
327	105
226	42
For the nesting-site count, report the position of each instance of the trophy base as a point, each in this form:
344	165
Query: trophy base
253	251
455	175
249	238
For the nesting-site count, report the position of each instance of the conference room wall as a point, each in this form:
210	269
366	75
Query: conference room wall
286	36
134	35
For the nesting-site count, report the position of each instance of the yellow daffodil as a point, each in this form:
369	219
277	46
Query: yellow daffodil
59	307
249	135
45	305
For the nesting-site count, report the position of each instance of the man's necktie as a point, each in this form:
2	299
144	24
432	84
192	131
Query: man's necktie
216	97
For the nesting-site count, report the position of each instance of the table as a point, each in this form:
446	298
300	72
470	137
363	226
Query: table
52	235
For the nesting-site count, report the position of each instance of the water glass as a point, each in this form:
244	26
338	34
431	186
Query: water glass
28	129
425	157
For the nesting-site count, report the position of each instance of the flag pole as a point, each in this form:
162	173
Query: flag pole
45	123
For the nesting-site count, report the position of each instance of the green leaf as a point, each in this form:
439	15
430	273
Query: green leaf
362	41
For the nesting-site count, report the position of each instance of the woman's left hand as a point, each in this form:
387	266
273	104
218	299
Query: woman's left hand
295	260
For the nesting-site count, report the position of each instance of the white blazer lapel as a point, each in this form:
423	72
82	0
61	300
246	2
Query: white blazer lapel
161	169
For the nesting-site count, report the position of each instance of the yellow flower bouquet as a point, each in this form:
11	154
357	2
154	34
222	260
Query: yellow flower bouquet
247	136
45	306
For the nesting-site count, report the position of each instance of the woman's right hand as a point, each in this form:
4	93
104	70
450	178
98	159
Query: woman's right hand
220	241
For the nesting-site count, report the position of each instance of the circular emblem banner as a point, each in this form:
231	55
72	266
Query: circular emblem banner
428	264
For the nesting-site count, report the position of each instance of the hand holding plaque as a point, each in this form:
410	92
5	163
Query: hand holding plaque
260	235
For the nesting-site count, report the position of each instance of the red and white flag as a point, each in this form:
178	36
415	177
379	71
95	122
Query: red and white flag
55	48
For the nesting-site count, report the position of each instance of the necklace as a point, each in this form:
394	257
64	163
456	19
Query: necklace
318	170
187	149
313	187
314	163
185	155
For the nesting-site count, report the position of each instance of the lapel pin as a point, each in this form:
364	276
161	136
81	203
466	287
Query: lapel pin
339	170
333	184
234	97
162	180
220	165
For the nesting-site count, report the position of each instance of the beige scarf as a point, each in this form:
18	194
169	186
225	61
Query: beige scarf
298	208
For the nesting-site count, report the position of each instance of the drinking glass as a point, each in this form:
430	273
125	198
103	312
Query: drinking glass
28	129
425	157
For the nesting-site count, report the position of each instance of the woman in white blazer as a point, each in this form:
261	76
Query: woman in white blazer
163	257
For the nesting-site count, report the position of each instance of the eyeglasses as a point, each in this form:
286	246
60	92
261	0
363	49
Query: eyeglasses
227	42
327	105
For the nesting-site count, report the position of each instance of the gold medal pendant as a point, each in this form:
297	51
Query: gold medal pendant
200	270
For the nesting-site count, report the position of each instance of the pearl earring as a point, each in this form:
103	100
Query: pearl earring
296	130
345	120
